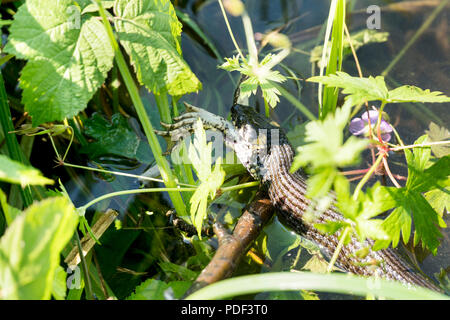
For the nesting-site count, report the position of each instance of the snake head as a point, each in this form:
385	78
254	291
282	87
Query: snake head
257	135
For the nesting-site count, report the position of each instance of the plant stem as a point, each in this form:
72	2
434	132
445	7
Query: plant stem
338	249
429	144
367	176
118	173
161	161
230	31
12	144
131	191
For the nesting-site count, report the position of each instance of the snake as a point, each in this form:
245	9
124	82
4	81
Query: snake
264	150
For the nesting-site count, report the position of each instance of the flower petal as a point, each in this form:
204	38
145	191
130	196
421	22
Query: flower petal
373	115
386	137
357	126
385	127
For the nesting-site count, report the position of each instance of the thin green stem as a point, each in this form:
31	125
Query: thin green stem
421	145
249	36
121	174
132	191
12	144
161	161
367	176
338	249
163	107
240	186
230	31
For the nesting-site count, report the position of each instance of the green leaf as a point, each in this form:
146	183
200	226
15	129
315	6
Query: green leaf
358	89
435	134
415	94
150	33
115	137
180	271
258	76
15	172
369	89
326	146
59	284
411	203
31	246
200	155
153	289
69	55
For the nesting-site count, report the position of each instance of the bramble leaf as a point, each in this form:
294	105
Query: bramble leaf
150	33
69	56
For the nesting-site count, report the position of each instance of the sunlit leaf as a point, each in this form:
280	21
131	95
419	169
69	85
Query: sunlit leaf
31	247
200	156
15	172
150	33
69	56
435	134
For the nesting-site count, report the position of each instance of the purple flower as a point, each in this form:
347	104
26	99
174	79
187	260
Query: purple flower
360	126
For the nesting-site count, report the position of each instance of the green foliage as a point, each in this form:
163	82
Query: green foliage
69	55
30	249
150	33
360	90
115	138
411	205
326	151
69	52
15	172
435	134
259	76
200	156
153	289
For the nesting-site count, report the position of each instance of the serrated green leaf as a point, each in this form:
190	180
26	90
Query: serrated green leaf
435	134
31	246
150	33
69	55
369	89
415	94
200	155
326	146
411	204
15	172
358	89
439	199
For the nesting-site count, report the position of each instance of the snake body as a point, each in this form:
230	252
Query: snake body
269	160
